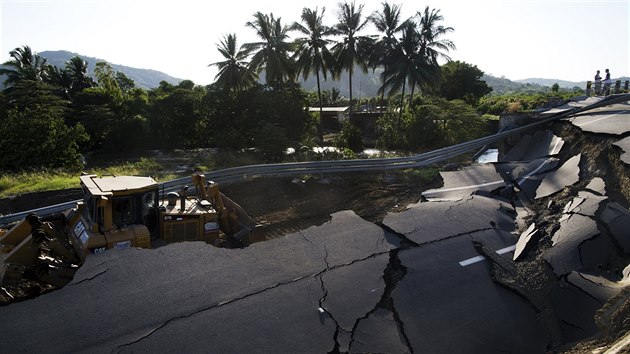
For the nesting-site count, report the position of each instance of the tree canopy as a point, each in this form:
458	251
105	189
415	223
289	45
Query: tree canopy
461	80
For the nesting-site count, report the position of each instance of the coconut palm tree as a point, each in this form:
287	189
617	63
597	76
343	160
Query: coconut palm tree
353	49
77	71
408	64
388	22
311	51
432	45
59	79
272	53
234	73
24	65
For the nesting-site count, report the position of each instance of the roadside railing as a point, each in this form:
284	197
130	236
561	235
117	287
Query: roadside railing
242	173
599	88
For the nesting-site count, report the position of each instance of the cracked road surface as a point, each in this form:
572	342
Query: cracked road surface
406	285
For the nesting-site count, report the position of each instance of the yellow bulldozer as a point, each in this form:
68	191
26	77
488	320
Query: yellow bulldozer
120	212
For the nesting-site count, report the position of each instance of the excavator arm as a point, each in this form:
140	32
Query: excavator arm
233	219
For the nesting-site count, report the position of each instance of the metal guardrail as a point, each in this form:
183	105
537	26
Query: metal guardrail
242	173
602	88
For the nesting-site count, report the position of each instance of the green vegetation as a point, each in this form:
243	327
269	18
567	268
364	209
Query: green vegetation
44	180
50	117
432	122
521	102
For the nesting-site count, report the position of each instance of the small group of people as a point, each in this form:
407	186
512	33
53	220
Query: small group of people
598	84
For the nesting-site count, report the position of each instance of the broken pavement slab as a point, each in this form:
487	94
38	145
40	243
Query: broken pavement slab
460	184
564	255
523	241
533	281
349	297
432	221
624	145
575	310
281	319
567	175
617	221
597	185
585	203
596	286
543	143
378	333
125	296
612	120
527	176
460	309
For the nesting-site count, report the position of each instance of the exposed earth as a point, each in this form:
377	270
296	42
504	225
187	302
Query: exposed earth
541	276
282	205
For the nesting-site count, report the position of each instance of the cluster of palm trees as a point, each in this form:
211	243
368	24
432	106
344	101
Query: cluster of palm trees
407	50
26	66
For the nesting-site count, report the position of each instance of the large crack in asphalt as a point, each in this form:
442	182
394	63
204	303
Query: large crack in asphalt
322	310
505	273
318	275
583	291
393	273
209	308
90	278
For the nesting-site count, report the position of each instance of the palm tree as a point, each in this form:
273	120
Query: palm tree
352	49
311	52
432	45
25	65
234	73
407	63
60	79
388	23
77	71
273	52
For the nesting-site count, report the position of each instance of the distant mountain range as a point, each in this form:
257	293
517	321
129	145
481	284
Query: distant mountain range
367	84
144	78
550	82
363	84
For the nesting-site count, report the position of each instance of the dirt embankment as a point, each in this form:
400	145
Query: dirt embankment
285	205
282	205
599	159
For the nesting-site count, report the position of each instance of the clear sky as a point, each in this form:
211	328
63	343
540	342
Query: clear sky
518	39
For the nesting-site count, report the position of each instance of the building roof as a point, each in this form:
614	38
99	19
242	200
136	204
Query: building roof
329	109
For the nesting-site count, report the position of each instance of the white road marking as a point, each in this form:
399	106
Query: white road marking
477	259
465	187
553	151
555	146
602	118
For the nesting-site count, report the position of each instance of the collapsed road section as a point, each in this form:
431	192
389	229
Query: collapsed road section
532	263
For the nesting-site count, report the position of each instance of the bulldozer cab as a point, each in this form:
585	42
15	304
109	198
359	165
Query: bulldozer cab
116	202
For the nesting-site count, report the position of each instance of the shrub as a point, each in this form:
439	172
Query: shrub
39	138
350	137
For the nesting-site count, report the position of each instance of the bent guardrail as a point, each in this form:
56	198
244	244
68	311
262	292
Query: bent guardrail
237	174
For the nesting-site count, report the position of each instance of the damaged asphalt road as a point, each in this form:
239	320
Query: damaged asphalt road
448	275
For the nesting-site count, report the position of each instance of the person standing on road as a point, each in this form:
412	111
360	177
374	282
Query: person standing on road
598	84
607	83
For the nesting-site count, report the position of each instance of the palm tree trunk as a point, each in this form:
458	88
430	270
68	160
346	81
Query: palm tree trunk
382	100
382	94
350	83
402	102
320	134
413	86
